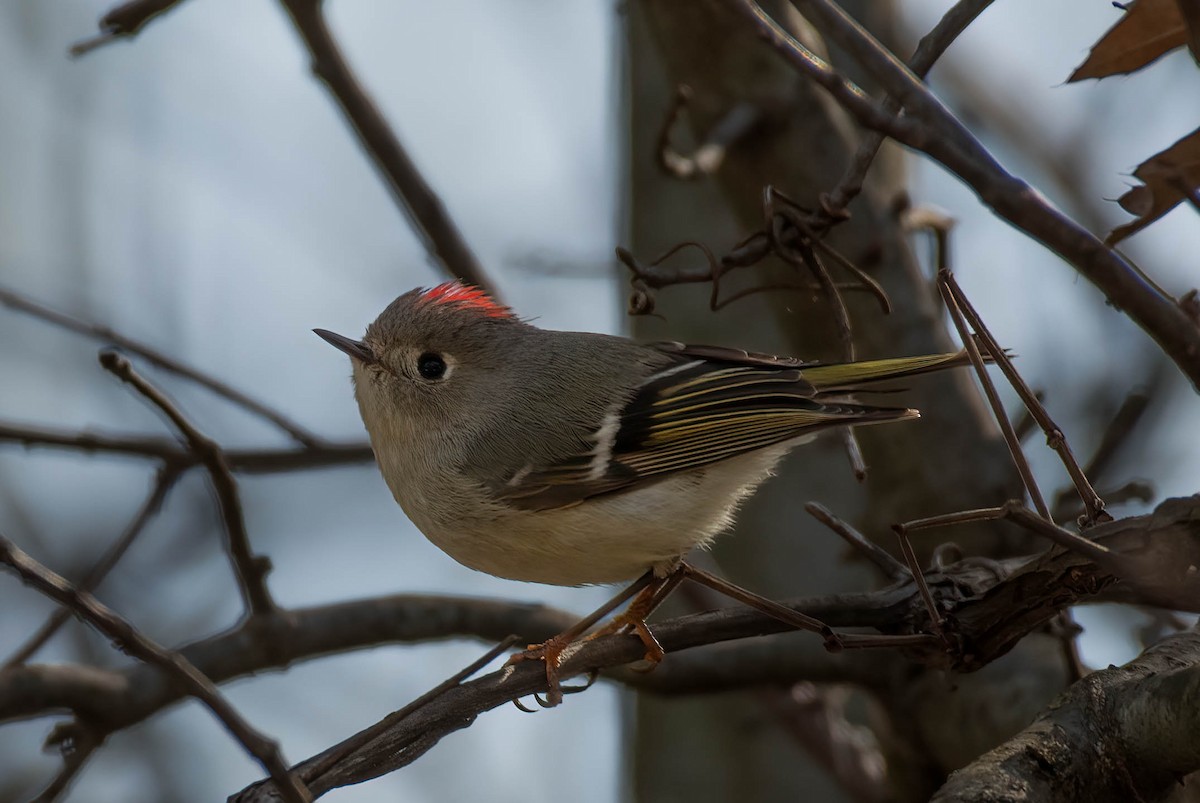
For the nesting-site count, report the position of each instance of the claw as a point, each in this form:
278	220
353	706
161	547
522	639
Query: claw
587	684
550	653
654	651
522	707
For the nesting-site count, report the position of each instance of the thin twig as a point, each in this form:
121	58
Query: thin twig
989	390
1092	503
249	461
929	50
123	21
1119	428
75	757
309	771
112	625
1067	630
155	357
1017	513
918	576
1024	425
249	569
162	486
891	568
424	209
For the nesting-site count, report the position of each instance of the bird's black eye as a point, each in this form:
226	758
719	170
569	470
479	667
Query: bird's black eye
431	366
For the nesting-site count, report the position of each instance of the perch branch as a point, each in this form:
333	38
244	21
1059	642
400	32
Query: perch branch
986	615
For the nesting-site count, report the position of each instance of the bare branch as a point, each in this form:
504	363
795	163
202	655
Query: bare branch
415	197
249	569
108	622
930	128
891	568
1055	439
929	50
248	461
317	766
993	398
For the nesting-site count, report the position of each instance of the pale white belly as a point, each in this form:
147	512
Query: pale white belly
611	538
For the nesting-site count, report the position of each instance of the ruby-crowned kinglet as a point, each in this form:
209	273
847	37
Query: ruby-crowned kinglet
574	458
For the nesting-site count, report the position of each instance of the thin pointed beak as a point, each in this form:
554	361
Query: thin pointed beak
355	348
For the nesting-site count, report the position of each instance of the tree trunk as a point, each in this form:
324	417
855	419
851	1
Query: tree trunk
732	747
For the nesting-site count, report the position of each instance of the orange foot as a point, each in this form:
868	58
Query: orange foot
634	621
650	591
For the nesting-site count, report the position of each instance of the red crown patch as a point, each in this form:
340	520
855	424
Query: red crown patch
458	294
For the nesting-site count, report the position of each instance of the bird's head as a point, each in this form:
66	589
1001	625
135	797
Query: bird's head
428	359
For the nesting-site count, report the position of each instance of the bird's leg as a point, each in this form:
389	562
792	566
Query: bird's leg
551	650
634	617
834	642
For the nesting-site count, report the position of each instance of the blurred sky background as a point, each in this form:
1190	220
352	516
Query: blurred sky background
196	189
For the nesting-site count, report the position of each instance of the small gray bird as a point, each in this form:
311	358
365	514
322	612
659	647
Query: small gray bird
574	458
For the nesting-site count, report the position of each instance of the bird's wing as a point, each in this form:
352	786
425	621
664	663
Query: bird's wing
708	405
827	378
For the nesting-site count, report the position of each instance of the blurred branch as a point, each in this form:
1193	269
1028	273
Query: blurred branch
1067	166
75	757
816	718
20	303
249	569
248	461
739	122
416	198
162	486
123	20
929	127
174	665
1141	718
418	201
929	50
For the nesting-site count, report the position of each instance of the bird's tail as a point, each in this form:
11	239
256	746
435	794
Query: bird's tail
848	376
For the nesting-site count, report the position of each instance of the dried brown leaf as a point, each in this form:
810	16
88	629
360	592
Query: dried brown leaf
1167	178
1147	30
